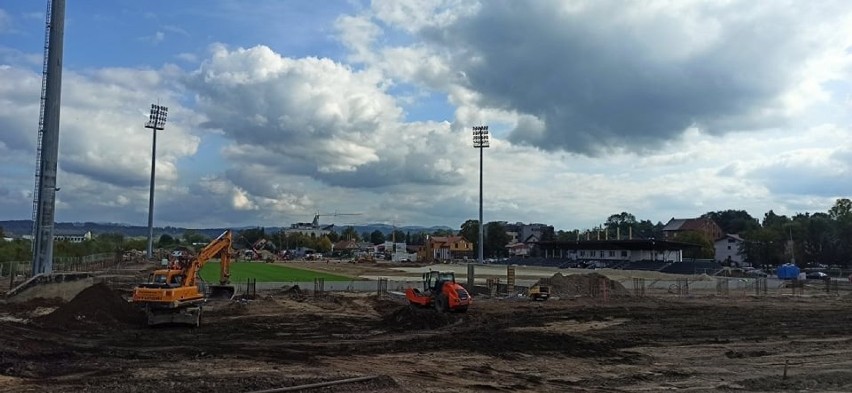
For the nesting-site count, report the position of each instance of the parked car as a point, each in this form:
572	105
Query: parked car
817	276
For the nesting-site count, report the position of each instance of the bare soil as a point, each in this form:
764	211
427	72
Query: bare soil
98	343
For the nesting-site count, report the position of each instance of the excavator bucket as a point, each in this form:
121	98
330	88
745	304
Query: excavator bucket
225	292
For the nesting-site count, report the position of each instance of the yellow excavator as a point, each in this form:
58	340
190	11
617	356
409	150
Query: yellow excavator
176	295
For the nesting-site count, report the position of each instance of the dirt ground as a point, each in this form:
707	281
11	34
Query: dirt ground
97	342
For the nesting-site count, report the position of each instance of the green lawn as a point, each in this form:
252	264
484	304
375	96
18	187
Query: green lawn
265	272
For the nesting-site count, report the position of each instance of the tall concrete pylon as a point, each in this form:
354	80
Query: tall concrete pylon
47	156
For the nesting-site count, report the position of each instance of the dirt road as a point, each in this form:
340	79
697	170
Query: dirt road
95	344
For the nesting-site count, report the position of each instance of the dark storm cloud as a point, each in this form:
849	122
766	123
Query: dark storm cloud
612	74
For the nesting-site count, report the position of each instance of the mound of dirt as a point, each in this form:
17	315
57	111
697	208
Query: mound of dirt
416	318
95	306
293	292
591	284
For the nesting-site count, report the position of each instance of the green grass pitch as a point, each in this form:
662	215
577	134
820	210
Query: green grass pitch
265	272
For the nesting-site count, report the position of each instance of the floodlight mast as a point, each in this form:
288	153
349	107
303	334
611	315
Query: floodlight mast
47	152
156	121
480	141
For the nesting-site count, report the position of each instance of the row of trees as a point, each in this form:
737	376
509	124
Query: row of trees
282	240
806	238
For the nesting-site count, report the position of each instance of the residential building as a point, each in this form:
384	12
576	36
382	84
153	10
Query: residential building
704	226
518	249
445	248
344	248
528	233
728	249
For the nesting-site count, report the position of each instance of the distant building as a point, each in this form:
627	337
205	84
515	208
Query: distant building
518	249
71	236
614	250
728	250
445	248
704	226
528	233
345	248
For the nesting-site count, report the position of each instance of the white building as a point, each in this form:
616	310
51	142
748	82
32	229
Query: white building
72	236
728	250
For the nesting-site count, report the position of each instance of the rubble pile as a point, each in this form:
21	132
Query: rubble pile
590	284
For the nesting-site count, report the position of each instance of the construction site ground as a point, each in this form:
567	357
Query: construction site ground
97	342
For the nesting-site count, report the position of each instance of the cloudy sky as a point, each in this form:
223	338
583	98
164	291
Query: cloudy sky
280	109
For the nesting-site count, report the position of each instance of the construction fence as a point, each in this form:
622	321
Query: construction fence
16	272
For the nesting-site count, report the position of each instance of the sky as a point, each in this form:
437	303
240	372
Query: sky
282	109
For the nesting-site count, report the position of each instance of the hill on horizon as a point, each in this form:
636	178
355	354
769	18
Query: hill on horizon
24	227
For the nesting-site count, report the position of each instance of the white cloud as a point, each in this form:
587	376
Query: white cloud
605	75
188	57
657	108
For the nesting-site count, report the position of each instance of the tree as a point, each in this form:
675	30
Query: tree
418	239
705	250
115	238
252	235
349	233
619	224
324	245
365	236
815	239
496	239
377	237
733	221
774	221
764	246
191	236
397	236
165	240
842	209
645	229
333	236
443	232
2	233
470	232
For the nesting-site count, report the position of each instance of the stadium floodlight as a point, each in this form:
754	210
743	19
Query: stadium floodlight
480	141
156	121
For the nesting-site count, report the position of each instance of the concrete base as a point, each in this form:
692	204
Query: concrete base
61	285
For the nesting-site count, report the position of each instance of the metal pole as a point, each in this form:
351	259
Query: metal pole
481	224
151	198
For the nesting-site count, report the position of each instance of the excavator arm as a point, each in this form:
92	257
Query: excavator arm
221	247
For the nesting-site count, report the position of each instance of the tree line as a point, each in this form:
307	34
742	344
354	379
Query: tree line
805	238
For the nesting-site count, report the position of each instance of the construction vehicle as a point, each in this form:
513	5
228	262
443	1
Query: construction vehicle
176	295
539	292
440	291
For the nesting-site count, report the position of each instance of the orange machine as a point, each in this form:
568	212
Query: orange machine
175	295
441	291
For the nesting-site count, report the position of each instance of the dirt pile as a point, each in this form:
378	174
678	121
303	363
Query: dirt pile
416	318
293	292
95	306
591	284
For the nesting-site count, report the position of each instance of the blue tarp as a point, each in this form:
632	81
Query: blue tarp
788	271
